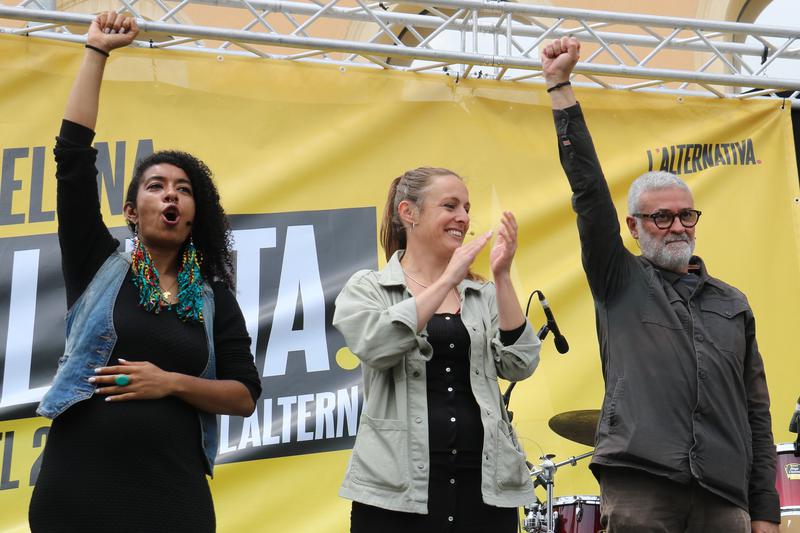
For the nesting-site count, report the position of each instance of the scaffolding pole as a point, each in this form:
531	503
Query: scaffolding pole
410	37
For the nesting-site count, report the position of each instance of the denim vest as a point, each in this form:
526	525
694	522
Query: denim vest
91	339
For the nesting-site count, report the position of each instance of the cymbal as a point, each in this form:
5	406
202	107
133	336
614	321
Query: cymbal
577	426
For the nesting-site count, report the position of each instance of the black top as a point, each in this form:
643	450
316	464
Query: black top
455	436
686	395
138	465
454	419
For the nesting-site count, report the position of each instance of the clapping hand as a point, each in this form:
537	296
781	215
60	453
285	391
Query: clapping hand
458	267
505	246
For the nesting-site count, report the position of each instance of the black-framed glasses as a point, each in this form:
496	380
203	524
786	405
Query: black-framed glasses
663	218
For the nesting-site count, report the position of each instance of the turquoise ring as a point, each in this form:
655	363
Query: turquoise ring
122	380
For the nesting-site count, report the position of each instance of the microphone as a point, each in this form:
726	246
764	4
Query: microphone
560	341
795	422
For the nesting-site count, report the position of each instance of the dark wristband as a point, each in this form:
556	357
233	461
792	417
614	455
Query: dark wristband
556	86
98	50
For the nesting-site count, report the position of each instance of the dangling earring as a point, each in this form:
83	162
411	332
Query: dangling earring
413	225
190	284
145	276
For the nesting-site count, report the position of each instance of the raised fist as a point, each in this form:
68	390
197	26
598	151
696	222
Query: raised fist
110	30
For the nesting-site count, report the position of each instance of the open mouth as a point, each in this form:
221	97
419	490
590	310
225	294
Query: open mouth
171	215
458	234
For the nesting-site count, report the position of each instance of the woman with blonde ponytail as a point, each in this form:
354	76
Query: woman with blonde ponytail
435	451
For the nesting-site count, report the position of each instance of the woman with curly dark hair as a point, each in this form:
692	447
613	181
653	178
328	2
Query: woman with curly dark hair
210	230
156	344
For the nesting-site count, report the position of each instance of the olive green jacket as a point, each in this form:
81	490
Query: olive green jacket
389	466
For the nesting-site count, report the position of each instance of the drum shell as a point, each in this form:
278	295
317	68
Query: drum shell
787	483
567	508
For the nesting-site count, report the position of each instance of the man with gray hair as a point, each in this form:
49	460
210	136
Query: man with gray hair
684	441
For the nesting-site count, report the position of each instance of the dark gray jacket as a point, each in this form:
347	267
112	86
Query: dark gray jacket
686	395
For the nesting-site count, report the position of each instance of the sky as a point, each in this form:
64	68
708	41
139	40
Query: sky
780	13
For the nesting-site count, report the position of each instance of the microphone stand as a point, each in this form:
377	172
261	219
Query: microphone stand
542	334
545	476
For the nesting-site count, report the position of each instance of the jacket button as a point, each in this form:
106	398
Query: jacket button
699	338
418	420
477	372
421	466
416	373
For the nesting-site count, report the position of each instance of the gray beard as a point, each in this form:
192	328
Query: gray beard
673	257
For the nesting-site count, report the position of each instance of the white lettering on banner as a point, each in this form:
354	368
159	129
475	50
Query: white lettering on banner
251	434
302	414
248	244
224	435
19	342
269	423
326	403
347	408
286	428
311	408
300	279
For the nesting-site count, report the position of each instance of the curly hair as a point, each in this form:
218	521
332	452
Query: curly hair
211	231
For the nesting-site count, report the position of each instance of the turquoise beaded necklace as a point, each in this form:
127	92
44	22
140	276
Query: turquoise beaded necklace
152	297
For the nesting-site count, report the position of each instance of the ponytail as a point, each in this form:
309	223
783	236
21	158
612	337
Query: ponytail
393	233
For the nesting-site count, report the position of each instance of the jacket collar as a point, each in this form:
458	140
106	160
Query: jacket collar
696	266
392	275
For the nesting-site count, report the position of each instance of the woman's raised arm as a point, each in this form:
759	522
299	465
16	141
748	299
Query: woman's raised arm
107	32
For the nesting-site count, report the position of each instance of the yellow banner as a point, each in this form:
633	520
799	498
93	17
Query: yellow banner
303	156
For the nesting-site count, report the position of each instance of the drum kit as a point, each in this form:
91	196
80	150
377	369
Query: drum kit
581	514
566	514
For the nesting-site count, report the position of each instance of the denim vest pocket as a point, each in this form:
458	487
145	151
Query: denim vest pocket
380	455
510	468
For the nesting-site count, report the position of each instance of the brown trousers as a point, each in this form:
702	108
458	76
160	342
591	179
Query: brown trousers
633	501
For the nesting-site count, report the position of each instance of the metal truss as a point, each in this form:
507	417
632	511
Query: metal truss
463	38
